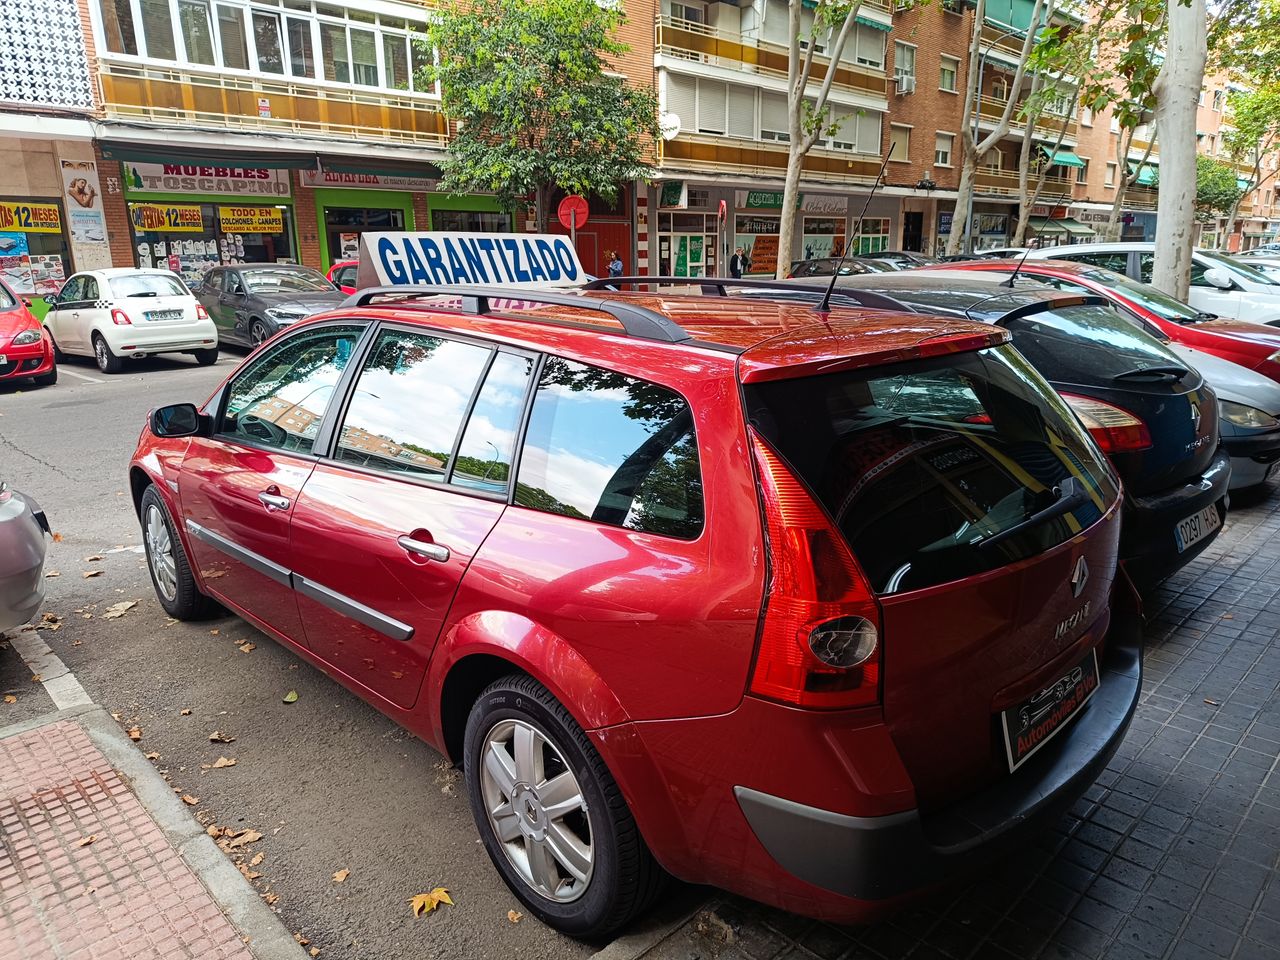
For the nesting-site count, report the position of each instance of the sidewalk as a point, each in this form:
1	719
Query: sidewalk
1172	854
100	860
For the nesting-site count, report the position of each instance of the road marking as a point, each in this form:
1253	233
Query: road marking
81	376
59	682
137	548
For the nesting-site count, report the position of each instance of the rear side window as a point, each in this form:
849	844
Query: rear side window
147	285
1119	262
345	277
919	463
613	449
1087	344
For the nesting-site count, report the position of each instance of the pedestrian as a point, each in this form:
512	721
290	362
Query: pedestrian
615	263
738	263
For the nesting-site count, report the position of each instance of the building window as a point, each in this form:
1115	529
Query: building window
904	61
992	160
1200	99
1111	175
1217	100
867	45
1086	117
942	149
857	130
899	143
948	70
1213	145
235	51
690	12
1082	172
773	117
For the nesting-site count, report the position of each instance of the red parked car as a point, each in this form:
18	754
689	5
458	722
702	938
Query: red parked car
343	275
26	349
759	597
1252	345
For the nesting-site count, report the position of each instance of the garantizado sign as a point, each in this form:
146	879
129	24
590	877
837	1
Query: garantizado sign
192	178
443	258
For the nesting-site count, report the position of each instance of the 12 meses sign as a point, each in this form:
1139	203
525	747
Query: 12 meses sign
442	258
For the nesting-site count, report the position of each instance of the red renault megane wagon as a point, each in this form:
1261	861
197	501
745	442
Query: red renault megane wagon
820	608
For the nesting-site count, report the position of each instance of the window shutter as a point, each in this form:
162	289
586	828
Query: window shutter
846	123
869	132
775	28
742	112
773	112
712	102
682	100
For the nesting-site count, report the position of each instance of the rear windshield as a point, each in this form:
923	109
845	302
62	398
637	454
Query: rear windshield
147	285
919	463
1087	344
1157	301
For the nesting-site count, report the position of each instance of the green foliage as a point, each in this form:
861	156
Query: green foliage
526	80
1254	117
1217	189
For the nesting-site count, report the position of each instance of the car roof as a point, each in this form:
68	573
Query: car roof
109	272
270	266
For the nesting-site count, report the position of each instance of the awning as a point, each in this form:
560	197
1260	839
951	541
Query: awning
1147	176
1062	158
873	24
127	152
1060	226
380	166
1243	183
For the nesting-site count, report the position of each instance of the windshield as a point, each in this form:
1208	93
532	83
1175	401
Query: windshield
919	463
1235	266
1087	344
1145	295
299	280
148	285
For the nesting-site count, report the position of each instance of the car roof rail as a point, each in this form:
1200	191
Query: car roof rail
637	321
719	286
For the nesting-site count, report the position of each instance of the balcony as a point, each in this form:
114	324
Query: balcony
716	154
184	96
700	43
1004	183
1140	198
1047	125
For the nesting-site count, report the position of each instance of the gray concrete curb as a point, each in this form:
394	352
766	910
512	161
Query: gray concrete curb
268	938
653	929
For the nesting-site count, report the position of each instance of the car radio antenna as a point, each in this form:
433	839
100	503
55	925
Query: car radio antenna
825	305
1013	277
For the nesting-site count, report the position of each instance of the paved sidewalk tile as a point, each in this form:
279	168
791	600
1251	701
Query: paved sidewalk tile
1173	853
85	872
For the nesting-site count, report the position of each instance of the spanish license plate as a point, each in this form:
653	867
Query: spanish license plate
1029	725
163	315
1196	527
3	359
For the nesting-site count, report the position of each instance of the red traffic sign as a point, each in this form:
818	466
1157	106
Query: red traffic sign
572	211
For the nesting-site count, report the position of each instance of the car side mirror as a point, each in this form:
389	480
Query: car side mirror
179	420
1219	278
50	298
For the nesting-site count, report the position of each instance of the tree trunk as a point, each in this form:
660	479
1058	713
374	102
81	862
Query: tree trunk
787	218
964	196
1177	90
1235	207
540	199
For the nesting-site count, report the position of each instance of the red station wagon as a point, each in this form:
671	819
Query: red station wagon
814	607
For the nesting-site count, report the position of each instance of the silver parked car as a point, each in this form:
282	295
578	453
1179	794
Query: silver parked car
22	549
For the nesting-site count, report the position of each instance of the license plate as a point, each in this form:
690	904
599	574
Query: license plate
1196	527
3	359
163	315
1029	725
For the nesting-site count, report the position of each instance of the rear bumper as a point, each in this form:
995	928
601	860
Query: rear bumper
882	858
22	554
139	340
1148	548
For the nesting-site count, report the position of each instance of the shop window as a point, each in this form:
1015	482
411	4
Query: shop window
35	262
117	25
471	221
197	30
157	29
266	37
259	234
235	51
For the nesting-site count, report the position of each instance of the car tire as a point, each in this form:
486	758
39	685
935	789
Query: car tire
207	358
46	379
616	876
171	575
258	333
107	361
58	355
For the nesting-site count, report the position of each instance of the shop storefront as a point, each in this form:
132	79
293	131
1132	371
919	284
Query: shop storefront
471	214
35	250
189	218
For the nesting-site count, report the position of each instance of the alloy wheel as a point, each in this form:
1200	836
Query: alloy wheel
100	352
160	553
537	810
257	333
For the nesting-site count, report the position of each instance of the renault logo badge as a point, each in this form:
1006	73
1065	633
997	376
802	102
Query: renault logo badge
1079	577
1195	417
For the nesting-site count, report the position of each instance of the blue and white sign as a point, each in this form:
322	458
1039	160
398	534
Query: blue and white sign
486	259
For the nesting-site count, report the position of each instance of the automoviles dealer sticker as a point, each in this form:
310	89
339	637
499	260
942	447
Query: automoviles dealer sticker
1029	725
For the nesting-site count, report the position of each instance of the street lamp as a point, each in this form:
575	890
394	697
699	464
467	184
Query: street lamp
977	117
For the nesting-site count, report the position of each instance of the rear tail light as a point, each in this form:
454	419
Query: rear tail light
120	318
1115	429
201	313
819	644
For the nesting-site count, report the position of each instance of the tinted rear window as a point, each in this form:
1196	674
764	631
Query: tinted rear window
1087	344
147	285
919	463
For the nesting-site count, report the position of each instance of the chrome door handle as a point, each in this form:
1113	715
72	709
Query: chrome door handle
273	502
432	551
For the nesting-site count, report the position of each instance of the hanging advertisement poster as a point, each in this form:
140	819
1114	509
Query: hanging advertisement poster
15	262
757	235
349	245
167	217
47	273
823	237
85	218
251	219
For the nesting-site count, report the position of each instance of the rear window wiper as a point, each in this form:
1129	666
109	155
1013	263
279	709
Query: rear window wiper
142	293
1201	316
1071	494
1167	373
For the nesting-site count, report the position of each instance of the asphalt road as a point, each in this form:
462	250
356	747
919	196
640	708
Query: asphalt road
330	783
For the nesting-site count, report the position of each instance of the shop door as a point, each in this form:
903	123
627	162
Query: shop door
688	254
913	231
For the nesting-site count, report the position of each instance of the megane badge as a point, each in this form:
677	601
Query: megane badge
1079	577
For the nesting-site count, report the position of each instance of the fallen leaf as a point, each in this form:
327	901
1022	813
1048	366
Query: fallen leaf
398	674
271	898
1212	703
152	756
57	538
37	678
92	573
85	841
93	559
249	874
214	632
426	902
515	916
341	875
189	800
135	733
248	836
184	713
118	610
213	574
291	696
314	951
1228	616
217	737
213	830
257	859
10	698
224	762
51	574
301	939
248	647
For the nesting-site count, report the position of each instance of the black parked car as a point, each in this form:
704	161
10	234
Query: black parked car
900	259
826	266
1151	412
250	302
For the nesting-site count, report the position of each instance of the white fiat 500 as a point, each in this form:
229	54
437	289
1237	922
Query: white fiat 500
124	312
